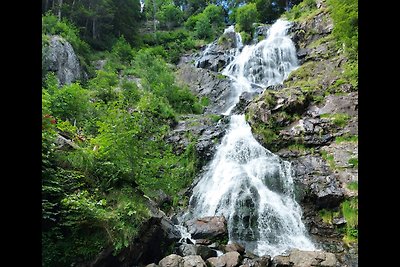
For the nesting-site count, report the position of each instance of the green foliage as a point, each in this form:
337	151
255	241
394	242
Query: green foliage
170	16
52	26
267	134
346	138
352	186
245	17
349	210
122	50
268	10
71	102
345	17
103	85
215	117
351	73
339	119
302	10
327	216
170	44
329	158
207	24
246	38
202	27
353	162
159	79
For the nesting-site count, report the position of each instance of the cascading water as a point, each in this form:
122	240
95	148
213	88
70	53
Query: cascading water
248	184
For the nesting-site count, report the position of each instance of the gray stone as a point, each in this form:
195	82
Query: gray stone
172	260
187	249
59	57
193	261
230	259
234	246
205	252
207	227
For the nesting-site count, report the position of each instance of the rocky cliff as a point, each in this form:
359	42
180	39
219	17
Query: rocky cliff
60	58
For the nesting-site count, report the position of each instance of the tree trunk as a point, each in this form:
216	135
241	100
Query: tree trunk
46	5
154	15
60	2
94	28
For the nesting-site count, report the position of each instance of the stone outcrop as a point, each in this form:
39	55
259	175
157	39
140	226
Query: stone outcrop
206	131
59	57
206	84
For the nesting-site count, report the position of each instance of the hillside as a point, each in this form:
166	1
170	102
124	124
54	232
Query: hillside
132	119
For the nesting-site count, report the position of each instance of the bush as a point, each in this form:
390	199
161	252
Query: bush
71	102
122	50
103	86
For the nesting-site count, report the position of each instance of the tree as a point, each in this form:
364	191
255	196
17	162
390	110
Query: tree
245	17
170	16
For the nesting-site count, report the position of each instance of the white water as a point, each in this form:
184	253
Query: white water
249	185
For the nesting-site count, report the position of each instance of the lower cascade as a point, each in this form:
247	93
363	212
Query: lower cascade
245	182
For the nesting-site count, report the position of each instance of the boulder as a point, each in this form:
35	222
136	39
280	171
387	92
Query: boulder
193	261
172	260
263	261
207	227
298	258
230	259
59	57
234	246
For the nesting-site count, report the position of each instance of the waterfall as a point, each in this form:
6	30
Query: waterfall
245	182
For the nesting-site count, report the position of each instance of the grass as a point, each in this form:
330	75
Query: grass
327	216
215	117
349	210
353	186
339	119
353	162
346	138
329	158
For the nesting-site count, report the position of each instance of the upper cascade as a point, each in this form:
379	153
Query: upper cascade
266	63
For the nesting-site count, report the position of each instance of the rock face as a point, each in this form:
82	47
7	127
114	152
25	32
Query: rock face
219	53
206	130
59	57
205	83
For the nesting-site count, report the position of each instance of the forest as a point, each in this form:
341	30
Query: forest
118	117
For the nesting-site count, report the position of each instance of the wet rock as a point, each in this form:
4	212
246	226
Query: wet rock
263	261
234	246
230	259
207	227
